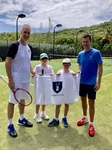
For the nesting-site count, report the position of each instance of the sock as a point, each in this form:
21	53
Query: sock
9	121
37	114
64	117
42	112
91	123
86	117
56	119
21	116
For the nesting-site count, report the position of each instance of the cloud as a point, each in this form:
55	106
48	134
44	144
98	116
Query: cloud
70	13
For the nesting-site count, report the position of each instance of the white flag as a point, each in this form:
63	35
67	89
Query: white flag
56	89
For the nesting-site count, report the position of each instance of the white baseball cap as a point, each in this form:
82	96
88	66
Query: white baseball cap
66	60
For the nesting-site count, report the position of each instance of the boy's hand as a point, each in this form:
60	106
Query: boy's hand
51	74
33	73
58	74
73	73
40	74
78	72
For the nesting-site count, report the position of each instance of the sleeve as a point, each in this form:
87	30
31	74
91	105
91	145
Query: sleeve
78	59
12	50
37	69
52	71
99	58
31	51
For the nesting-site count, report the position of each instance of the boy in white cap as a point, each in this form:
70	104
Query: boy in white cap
55	122
42	69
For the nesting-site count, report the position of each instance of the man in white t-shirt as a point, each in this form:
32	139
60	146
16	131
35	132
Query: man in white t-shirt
18	68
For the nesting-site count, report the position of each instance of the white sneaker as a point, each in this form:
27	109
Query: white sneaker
44	116
37	119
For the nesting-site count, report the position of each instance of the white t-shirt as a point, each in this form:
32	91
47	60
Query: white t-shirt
61	72
20	66
46	70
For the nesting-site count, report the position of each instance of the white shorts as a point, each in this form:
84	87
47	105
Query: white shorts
25	86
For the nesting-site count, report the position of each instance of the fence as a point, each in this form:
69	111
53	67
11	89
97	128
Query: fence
37	51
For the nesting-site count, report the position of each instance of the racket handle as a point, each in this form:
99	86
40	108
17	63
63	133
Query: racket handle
42	71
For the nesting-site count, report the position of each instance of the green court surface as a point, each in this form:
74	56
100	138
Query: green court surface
42	137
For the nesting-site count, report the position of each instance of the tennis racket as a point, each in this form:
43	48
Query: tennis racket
20	95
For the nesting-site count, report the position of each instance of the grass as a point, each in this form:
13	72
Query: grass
42	137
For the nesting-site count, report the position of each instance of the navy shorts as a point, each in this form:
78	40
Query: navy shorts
87	90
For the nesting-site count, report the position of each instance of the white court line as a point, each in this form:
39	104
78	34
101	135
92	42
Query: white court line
107	75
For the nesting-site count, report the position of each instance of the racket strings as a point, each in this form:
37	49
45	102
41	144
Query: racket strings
22	96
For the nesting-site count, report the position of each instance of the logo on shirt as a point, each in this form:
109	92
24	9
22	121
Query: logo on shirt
57	86
91	57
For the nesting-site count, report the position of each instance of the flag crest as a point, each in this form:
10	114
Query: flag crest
57	86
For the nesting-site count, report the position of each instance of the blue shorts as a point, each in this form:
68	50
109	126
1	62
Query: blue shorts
87	90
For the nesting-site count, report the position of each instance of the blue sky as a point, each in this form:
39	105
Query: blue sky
41	13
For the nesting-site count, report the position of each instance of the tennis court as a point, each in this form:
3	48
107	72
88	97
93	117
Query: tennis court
41	137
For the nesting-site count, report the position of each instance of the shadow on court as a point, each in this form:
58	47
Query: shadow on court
42	137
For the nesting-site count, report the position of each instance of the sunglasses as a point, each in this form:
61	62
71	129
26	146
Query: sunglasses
66	63
44	58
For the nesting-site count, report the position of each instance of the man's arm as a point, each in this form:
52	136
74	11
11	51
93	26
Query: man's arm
100	71
31	70
79	69
8	71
